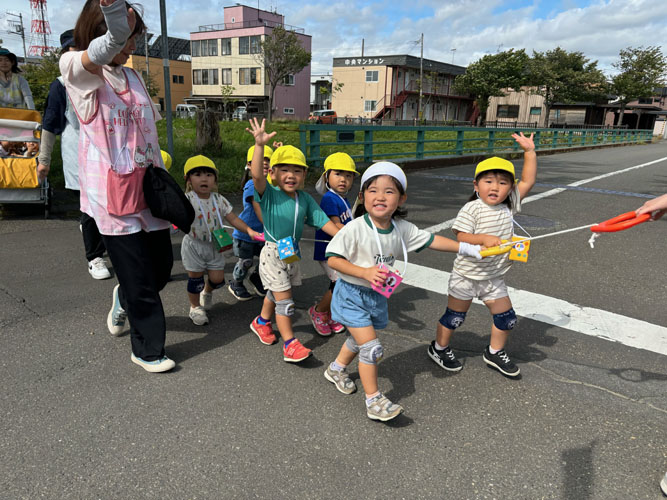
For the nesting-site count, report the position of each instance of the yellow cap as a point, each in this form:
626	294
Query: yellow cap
198	161
494	163
166	159
340	161
288	155
268	152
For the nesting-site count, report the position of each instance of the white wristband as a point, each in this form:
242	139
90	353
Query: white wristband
468	250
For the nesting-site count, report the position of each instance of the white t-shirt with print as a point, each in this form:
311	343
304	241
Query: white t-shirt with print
356	243
199	229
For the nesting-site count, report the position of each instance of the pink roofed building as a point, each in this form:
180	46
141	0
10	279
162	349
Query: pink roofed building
227	54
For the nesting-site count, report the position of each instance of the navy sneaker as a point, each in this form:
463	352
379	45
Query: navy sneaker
257	283
445	358
239	291
501	362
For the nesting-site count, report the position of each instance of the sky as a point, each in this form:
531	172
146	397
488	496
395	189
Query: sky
458	31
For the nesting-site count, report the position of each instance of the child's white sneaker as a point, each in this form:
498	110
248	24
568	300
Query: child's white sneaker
98	269
198	315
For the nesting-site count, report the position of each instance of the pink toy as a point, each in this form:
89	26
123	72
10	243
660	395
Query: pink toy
390	283
259	237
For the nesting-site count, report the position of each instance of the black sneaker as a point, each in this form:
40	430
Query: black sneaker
501	362
239	291
445	358
257	283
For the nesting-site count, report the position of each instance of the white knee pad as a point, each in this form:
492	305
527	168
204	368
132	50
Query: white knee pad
285	307
352	345
270	296
371	352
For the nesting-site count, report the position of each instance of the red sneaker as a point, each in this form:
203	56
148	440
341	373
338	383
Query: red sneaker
335	326
295	352
264	332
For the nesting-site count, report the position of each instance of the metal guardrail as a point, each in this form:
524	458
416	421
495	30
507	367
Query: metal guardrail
419	142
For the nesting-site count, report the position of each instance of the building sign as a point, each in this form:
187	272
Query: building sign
360	61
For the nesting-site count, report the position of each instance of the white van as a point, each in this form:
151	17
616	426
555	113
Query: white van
186	110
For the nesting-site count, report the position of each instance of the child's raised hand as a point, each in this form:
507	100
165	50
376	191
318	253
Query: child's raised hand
258	131
376	275
526	143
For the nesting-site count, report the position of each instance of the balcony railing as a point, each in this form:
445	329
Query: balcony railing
249	24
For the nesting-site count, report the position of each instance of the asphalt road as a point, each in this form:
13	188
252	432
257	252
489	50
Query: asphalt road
586	420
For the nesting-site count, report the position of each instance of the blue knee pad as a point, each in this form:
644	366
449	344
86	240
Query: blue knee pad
195	285
215	285
452	319
352	345
371	352
505	321
241	269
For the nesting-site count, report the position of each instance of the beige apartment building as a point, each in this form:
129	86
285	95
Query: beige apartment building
388	87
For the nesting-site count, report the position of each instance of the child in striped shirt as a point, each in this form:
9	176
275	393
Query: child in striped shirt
486	220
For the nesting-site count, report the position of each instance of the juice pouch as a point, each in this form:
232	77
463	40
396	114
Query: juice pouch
222	240
519	251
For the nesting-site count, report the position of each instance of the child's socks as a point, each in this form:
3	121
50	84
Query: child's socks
262	321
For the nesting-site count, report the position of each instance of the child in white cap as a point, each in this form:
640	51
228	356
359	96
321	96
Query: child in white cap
486	220
334	184
285	209
362	253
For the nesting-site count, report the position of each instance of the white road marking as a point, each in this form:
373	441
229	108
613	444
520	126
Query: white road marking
448	223
587	320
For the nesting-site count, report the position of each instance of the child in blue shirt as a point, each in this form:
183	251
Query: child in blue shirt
246	248
335	183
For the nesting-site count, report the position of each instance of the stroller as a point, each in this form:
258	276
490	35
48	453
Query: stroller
19	147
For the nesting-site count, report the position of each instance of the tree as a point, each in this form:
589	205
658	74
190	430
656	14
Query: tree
151	81
328	91
492	75
641	71
566	77
39	76
227	93
281	54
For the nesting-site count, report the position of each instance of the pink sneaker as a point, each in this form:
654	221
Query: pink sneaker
320	322
335	326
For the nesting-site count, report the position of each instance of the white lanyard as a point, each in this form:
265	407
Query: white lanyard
296	217
203	215
349	209
514	222
377	239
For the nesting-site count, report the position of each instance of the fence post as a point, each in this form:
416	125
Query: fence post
570	136
491	143
302	142
584	134
420	144
554	139
595	136
368	146
459	142
537	139
315	148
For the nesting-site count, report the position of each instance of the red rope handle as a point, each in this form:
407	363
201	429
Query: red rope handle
620	222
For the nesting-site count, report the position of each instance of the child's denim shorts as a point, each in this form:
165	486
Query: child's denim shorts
358	306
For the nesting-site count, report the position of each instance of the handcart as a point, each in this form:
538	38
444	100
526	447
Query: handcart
20	131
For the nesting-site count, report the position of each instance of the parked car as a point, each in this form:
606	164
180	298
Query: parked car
186	110
240	113
323	116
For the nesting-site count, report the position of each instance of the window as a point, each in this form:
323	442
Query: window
249	44
226	76
646	100
226	46
212	47
536	110
369	105
174	78
194	48
372	76
249	76
508	111
288	111
205	77
288	80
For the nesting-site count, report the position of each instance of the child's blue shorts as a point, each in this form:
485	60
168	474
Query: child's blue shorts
357	306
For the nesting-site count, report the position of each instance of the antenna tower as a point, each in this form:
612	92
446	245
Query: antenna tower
39	29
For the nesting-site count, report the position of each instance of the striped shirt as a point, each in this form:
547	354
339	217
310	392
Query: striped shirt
476	217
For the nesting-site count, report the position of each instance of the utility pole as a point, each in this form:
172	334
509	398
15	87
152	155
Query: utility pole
453	54
167	86
19	30
362	47
421	78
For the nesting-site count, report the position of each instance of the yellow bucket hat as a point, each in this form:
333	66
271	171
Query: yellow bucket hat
199	161
288	155
166	159
268	152
335	161
495	163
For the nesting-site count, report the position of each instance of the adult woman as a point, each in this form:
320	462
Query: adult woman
118	141
14	89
